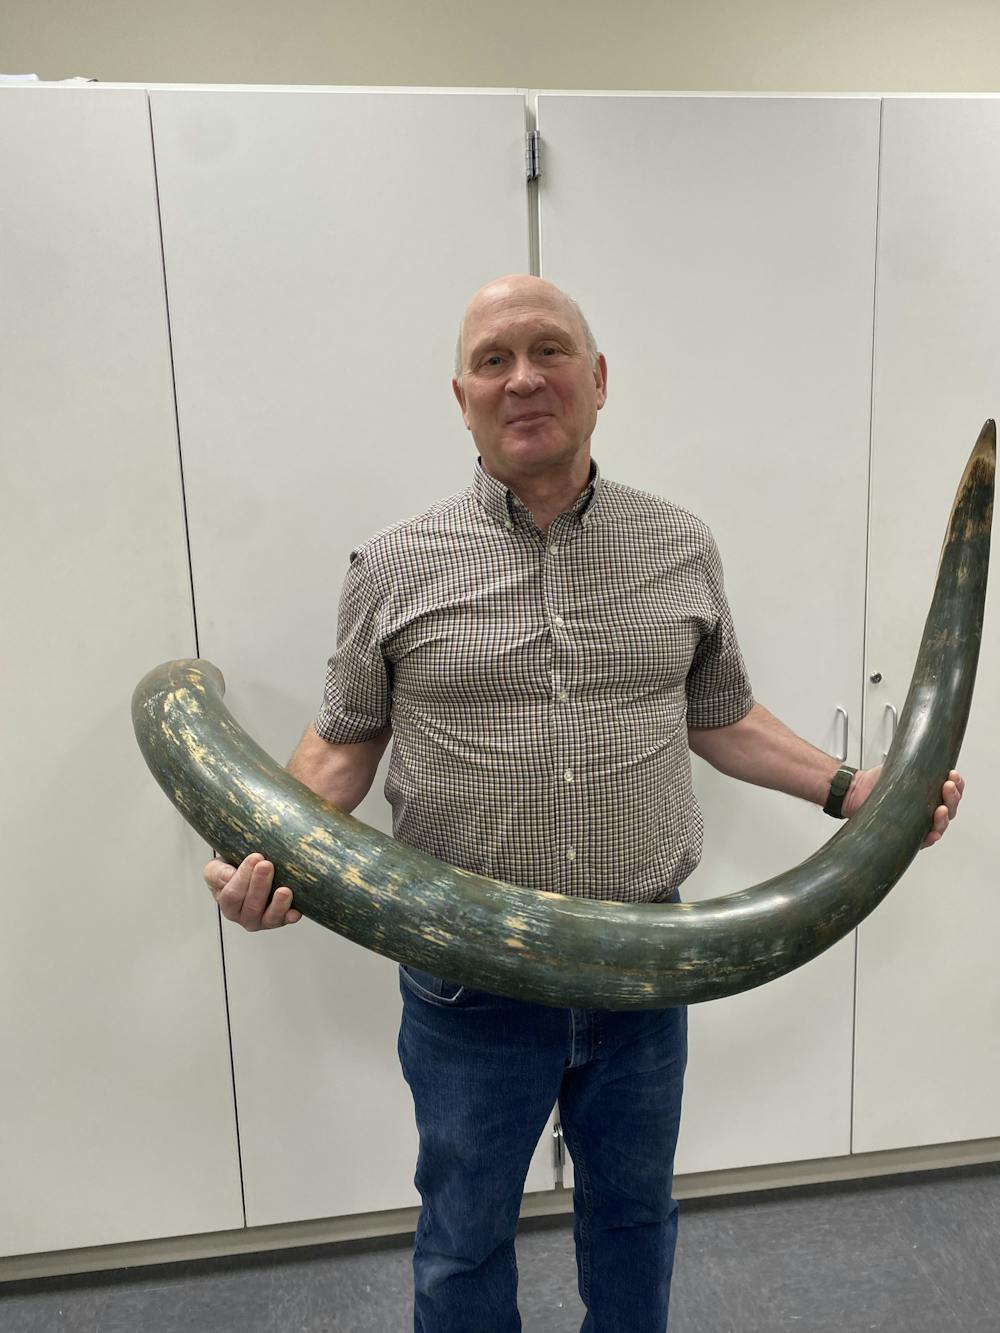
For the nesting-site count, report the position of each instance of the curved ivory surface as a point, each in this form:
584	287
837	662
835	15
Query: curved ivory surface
581	952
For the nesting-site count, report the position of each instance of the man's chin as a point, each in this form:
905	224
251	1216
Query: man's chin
536	453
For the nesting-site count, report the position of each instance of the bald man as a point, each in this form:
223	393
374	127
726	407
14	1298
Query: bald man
545	648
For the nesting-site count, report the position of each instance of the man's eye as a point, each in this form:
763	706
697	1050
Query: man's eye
493	360
553	350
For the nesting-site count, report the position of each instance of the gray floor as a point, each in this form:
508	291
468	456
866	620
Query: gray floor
914	1254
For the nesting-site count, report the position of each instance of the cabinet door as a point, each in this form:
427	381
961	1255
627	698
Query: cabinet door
928	984
320	247
117	1120
723	249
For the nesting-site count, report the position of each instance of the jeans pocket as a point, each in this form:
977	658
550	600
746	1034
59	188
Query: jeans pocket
435	990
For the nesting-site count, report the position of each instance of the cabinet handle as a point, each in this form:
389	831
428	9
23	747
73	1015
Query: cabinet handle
558	1153
889	709
842	712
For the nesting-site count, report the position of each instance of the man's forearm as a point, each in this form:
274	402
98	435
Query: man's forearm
341	774
762	750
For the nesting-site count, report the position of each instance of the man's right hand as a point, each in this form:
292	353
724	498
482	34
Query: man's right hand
242	894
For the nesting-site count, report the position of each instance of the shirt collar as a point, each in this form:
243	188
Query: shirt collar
500	502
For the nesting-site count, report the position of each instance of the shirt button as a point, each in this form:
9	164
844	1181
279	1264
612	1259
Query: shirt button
558	620
509	523
563	696
570	853
552	547
568	774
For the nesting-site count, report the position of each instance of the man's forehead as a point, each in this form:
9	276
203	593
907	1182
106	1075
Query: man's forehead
501	297
534	323
510	313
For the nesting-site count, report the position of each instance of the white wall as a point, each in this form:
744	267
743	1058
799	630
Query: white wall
770	45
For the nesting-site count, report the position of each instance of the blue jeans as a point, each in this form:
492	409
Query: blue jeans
485	1072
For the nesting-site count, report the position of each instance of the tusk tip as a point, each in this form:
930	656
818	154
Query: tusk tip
201	666
984	452
213	672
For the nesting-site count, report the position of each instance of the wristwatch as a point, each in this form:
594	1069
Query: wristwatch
838	790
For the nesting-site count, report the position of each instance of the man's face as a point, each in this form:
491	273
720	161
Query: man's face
530	393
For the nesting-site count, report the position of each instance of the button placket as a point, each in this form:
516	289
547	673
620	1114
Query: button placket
556	592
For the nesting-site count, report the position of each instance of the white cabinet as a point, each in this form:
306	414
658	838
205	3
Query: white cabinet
928	985
117	1119
320	247
723	249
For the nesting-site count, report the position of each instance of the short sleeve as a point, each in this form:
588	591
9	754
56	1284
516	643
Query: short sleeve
357	694
718	687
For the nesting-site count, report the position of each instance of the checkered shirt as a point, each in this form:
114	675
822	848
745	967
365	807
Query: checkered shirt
540	688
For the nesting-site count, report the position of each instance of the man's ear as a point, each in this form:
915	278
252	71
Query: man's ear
601	380
459	393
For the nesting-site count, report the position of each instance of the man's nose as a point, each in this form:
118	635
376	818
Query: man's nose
525	376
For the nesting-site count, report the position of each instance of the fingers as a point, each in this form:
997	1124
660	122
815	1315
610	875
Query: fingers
243	893
937	828
280	912
217	875
951	794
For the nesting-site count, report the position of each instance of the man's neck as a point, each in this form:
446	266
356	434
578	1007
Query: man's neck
549	494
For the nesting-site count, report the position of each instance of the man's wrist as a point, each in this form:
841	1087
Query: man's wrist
839	787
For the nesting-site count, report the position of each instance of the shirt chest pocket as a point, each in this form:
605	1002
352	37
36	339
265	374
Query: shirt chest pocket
637	654
473	654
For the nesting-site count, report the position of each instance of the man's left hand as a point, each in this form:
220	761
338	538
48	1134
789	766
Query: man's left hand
951	793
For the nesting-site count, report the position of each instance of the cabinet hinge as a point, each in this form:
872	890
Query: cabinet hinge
532	155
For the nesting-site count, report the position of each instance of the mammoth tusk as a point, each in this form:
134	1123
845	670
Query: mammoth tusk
581	952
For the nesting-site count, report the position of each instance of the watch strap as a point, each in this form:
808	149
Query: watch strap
838	790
